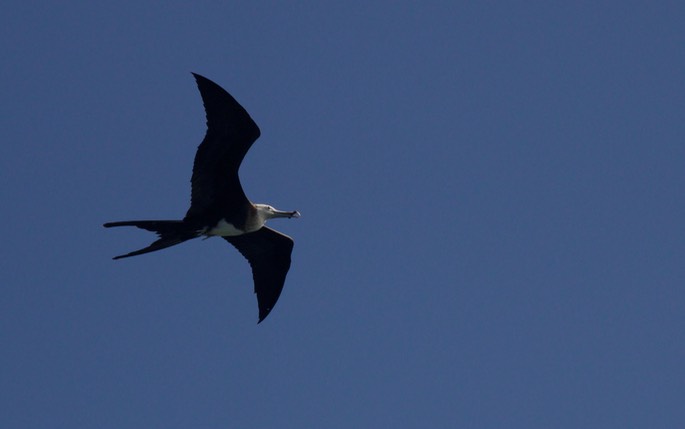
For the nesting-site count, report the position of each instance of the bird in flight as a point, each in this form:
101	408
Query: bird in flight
218	205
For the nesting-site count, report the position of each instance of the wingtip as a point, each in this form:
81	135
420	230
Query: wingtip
262	316
198	77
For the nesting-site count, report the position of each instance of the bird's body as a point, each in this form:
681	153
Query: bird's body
219	206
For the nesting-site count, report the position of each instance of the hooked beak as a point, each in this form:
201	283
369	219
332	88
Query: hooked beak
289	215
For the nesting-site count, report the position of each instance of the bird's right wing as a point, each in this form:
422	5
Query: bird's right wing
230	134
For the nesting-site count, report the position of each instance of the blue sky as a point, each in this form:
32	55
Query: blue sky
492	210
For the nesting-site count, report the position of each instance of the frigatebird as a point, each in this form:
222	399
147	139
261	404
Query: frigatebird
218	205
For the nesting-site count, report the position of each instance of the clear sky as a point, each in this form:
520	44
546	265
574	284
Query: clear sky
492	230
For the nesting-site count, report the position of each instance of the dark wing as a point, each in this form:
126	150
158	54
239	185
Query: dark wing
230	133
268	253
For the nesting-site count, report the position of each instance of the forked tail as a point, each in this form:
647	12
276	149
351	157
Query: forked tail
170	232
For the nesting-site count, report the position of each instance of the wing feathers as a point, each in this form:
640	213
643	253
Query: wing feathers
268	253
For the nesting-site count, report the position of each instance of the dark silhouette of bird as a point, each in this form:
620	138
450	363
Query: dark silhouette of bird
218	205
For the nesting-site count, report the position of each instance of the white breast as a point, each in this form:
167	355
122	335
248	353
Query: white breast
225	229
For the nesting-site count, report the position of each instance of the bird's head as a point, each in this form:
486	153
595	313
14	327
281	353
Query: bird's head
266	212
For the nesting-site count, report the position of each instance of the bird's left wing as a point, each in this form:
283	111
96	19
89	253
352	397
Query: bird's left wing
268	253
